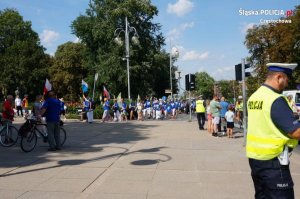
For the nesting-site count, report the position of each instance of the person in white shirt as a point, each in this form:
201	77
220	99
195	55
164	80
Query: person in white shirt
229	115
18	105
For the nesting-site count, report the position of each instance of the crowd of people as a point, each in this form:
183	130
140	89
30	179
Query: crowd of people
219	114
149	108
46	109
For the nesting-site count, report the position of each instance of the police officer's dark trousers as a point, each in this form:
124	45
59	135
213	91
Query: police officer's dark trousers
271	180
201	120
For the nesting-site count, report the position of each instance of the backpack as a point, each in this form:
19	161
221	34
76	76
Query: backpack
25	128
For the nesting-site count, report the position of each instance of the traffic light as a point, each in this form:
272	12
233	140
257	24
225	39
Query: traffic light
238	72
187	82
190	82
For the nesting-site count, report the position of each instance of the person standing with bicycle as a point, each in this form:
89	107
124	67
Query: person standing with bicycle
51	110
8	133
7	109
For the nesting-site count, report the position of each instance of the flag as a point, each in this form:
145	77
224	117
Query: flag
47	87
106	93
96	77
119	99
85	86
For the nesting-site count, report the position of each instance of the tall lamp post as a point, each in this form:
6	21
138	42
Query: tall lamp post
119	41
174	54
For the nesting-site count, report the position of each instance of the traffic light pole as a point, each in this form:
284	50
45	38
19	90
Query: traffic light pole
245	115
190	106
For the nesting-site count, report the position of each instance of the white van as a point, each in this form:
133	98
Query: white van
295	96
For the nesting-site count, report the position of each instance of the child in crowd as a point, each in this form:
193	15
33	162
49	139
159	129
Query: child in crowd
229	115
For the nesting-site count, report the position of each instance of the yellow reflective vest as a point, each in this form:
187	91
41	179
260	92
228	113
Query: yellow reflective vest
264	140
239	106
200	106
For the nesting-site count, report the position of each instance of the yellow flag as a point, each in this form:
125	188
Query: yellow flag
119	99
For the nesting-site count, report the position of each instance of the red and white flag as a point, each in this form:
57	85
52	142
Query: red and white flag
47	87
106	93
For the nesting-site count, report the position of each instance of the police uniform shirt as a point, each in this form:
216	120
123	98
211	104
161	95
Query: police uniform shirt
282	116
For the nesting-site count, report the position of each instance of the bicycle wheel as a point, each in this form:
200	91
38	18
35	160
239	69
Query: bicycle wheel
10	137
63	136
29	141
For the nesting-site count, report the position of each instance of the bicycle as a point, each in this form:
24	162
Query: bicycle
8	134
29	139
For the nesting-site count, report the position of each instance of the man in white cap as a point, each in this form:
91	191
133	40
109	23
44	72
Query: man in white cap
272	133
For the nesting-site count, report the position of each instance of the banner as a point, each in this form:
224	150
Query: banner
85	86
106	93
47	87
119	99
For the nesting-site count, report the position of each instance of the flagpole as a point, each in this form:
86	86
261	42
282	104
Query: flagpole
94	90
95	79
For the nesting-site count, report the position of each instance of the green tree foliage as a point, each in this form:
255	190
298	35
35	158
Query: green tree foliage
68	69
148	63
274	43
204	85
229	89
22	59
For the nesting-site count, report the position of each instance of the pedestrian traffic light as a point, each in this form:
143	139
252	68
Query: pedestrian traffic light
187	82
190	82
238	72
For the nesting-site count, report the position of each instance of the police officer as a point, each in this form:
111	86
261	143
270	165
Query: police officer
200	111
239	110
271	132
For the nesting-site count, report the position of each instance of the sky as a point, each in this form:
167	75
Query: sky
209	34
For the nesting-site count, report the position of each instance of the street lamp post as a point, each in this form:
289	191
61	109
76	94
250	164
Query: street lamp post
118	40
171	64
174	54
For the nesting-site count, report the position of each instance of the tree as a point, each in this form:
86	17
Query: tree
274	43
229	89
148	63
204	85
68	69
22	58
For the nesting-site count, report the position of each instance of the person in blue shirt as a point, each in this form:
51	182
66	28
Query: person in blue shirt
147	108
173	109
132	109
116	111
156	110
169	110
51	110
106	108
86	104
123	110
224	108
62	108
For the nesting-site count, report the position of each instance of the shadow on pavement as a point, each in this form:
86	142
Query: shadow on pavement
81	138
126	152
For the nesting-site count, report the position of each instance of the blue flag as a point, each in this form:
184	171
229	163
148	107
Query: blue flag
85	86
